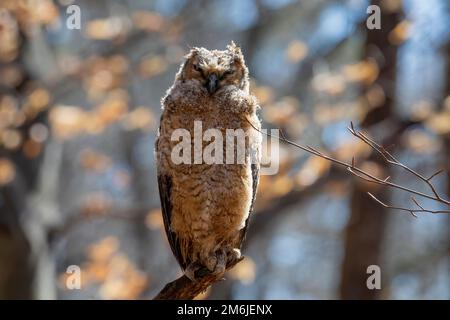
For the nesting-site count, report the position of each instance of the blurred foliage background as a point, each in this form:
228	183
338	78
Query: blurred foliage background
78	117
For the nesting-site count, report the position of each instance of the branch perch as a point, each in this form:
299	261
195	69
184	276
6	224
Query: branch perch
185	289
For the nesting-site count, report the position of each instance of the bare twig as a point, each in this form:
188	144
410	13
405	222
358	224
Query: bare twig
389	158
412	211
366	176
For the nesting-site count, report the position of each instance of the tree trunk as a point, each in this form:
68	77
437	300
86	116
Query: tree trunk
364	232
16	271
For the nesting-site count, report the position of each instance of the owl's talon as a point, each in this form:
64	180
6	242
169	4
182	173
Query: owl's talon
221	263
216	263
191	270
234	255
211	263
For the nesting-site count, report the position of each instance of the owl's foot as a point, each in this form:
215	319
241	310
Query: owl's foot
233	255
217	262
221	265
191	270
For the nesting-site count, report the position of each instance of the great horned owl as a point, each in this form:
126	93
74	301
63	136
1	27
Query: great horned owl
206	206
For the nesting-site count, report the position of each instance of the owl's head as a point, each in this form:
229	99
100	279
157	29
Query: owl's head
215	69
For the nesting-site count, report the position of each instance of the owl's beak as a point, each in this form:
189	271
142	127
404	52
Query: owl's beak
212	84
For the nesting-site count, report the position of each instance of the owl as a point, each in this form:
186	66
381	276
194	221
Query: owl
206	205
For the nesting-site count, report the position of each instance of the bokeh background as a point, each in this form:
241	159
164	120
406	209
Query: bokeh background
79	112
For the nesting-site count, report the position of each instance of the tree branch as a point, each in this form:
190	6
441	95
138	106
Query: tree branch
412	211
389	158
366	176
185	289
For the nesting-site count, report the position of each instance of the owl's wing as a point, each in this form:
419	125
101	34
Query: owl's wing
255	180
165	191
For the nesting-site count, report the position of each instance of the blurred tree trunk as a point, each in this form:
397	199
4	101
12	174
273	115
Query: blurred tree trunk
16	272
364	232
447	137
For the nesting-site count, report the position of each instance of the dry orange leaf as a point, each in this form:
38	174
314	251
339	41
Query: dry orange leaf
8	111
45	11
391	5
296	51
331	84
11	139
140	118
111	110
93	123
264	94
282	185
7	171
124	280
244	271
105	29
152	66
365	72
96	271
282	111
103	250
375	96
39	99
400	33
96	204
101	80
32	148
9	36
67	121
94	161
148	21
154	220
312	170
439	123
419	142
353	148
10	75
118	64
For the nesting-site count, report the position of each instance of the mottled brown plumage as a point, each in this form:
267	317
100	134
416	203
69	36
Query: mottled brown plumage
206	206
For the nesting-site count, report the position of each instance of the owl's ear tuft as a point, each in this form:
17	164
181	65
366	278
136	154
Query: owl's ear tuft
194	52
236	52
185	65
233	48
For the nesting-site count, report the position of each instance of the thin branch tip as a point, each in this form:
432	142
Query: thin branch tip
368	177
435	174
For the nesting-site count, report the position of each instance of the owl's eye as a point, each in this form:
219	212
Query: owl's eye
196	67
227	73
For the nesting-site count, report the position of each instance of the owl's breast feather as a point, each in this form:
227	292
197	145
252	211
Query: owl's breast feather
234	100
192	97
